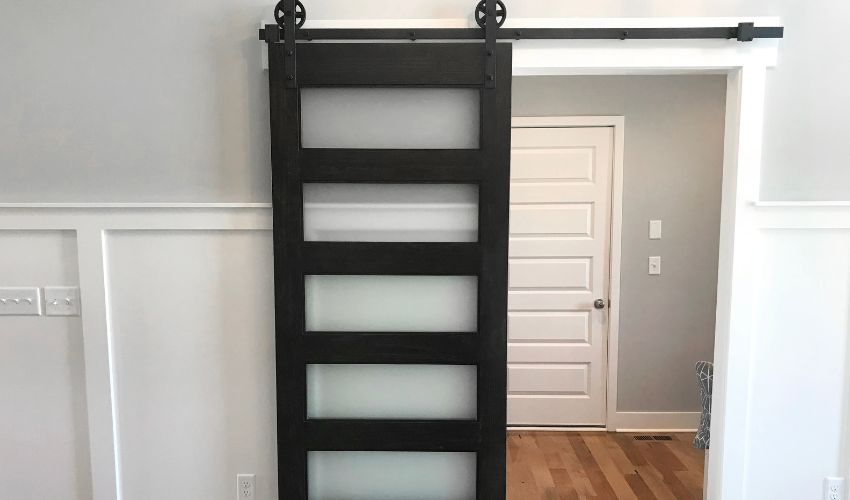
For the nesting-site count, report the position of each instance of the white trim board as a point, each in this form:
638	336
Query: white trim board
638	421
518	428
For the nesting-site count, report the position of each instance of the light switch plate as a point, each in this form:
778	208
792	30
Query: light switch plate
23	301
655	229
62	301
655	265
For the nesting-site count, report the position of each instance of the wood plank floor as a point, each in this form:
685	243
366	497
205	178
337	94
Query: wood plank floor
602	465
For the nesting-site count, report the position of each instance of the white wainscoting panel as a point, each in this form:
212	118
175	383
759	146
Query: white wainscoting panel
800	405
44	450
192	334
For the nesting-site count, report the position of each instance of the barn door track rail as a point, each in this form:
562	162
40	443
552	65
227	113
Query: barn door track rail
744	32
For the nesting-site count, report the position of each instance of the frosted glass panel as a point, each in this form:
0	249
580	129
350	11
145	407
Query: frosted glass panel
391	303
392	391
377	475
387	118
390	212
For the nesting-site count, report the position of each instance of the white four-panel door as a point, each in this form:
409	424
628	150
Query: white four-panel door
558	266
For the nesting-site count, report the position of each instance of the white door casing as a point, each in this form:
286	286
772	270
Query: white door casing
559	259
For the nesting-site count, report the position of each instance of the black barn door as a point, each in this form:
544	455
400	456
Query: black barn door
455	454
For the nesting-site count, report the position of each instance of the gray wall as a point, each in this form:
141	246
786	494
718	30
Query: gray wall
673	162
168	102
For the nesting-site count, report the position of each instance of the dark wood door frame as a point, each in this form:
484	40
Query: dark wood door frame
390	65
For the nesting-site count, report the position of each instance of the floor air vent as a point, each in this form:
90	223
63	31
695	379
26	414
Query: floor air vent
653	438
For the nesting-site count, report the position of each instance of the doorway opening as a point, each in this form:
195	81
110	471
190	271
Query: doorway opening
567	210
590	195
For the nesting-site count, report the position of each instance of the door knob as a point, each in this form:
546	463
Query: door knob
599	303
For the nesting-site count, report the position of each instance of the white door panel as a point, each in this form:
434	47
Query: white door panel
552	378
571	274
558	266
551	219
552	191
586	138
549	326
553	163
549	300
551	246
550	352
543	409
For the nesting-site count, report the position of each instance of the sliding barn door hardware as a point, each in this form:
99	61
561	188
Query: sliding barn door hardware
489	15
746	32
481	13
486	15
289	15
298	12
743	32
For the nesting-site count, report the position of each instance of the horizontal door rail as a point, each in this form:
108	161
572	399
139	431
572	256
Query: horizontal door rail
392	435
386	64
743	32
423	259
391	348
390	165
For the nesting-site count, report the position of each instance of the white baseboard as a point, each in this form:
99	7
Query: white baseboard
556	429
629	421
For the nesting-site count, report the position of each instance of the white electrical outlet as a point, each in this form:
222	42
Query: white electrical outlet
833	488
246	486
